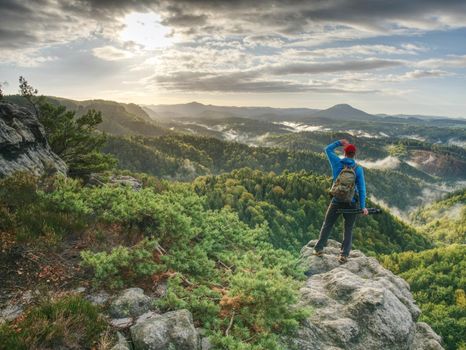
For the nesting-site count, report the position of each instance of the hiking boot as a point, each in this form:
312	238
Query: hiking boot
318	252
342	259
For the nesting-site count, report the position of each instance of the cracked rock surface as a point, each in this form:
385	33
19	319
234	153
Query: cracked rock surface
358	305
23	146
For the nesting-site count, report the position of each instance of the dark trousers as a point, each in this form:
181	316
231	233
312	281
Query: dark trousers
330	218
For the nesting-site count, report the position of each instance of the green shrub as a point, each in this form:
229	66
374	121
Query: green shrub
123	265
257	307
205	254
28	210
70	322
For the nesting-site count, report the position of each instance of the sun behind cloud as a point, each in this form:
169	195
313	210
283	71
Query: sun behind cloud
145	30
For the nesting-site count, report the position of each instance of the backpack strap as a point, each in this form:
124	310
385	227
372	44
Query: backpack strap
354	167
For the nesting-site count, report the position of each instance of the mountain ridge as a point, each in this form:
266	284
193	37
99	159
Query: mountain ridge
297	111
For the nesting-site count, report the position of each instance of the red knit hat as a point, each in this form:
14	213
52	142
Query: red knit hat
349	148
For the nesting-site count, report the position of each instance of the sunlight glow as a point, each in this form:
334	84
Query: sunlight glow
145	29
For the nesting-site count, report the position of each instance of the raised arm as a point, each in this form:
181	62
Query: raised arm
332	156
361	185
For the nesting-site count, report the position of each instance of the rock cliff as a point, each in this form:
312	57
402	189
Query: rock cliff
23	146
359	306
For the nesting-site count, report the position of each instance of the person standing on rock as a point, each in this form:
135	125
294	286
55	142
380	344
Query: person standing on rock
348	191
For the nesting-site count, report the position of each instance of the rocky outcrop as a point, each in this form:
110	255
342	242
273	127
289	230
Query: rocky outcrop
127	181
23	146
148	330
172	330
132	302
359	306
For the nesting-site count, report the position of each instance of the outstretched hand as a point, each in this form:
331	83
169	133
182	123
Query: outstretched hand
344	142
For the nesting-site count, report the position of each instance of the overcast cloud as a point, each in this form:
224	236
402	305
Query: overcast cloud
409	56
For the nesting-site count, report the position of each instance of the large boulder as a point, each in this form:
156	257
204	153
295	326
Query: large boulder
23	146
359	306
172	330
131	302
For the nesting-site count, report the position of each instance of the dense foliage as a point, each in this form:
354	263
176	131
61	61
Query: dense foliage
70	322
184	157
444	220
207	154
74	139
237	284
438	282
293	205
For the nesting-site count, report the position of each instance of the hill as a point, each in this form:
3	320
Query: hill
418	159
230	229
118	118
294	204
184	157
217	121
343	112
444	220
194	109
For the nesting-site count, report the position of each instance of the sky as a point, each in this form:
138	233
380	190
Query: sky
382	56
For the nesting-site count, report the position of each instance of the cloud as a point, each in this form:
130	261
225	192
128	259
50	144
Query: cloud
416	74
236	82
331	67
265	79
239	46
457	61
457	142
111	53
50	21
26	59
389	162
358	51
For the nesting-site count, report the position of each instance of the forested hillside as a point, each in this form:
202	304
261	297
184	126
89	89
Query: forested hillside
186	156
438	282
209	154
444	220
117	118
209	260
293	205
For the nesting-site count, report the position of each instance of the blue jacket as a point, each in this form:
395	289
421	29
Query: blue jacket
337	165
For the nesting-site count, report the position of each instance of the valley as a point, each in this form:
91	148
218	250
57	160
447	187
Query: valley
236	193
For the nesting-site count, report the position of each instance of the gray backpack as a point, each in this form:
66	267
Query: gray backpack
344	187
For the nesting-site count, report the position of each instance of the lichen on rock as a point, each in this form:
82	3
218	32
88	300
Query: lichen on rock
358	305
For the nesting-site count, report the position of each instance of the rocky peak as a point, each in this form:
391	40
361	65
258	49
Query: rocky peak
23	146
358	305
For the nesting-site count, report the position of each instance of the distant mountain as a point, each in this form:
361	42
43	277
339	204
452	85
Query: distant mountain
340	112
343	112
195	109
419	119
